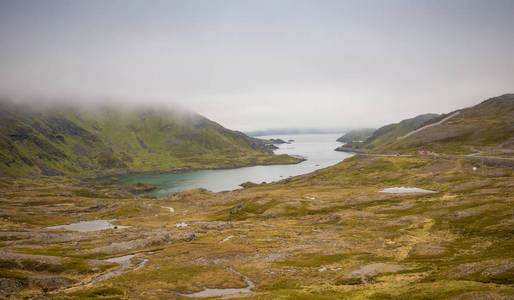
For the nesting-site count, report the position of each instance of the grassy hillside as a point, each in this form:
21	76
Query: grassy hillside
356	135
486	128
61	140
330	234
388	133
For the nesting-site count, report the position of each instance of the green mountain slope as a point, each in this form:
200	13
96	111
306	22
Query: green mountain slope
487	127
388	133
356	135
61	140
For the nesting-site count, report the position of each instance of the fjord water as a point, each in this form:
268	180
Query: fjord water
318	149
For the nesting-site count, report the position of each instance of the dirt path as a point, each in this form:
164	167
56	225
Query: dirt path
489	160
427	126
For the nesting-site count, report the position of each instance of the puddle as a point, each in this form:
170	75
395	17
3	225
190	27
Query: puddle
182	224
405	190
141	264
125	263
170	208
121	259
206	293
85	226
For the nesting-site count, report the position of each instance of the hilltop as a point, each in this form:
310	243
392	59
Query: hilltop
68	140
486	128
356	135
388	133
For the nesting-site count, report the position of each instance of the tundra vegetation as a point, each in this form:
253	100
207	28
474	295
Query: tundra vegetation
329	234
90	142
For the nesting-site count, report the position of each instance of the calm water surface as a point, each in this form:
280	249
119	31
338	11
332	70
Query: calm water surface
318	149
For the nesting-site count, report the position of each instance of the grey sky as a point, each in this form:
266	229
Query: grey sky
263	64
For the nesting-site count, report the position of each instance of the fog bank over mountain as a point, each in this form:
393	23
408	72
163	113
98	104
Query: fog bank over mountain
254	65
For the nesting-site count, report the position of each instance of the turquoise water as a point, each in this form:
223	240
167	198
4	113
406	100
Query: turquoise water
318	149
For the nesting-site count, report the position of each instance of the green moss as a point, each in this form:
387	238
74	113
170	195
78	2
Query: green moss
314	260
245	209
102	292
281	284
68	140
348	281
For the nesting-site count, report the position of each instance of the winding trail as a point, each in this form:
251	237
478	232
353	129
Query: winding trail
491	160
427	126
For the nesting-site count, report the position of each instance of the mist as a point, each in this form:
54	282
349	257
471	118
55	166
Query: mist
257	65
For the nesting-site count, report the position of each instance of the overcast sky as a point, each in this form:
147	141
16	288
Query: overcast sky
263	64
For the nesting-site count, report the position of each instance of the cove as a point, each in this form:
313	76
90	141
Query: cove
318	149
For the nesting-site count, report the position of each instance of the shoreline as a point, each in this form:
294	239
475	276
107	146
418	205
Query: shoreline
181	170
349	150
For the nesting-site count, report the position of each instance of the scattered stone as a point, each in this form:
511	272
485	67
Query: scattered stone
190	238
49	282
9	286
216	225
248	184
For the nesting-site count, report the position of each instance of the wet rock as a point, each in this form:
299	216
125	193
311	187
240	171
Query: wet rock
248	184
141	187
